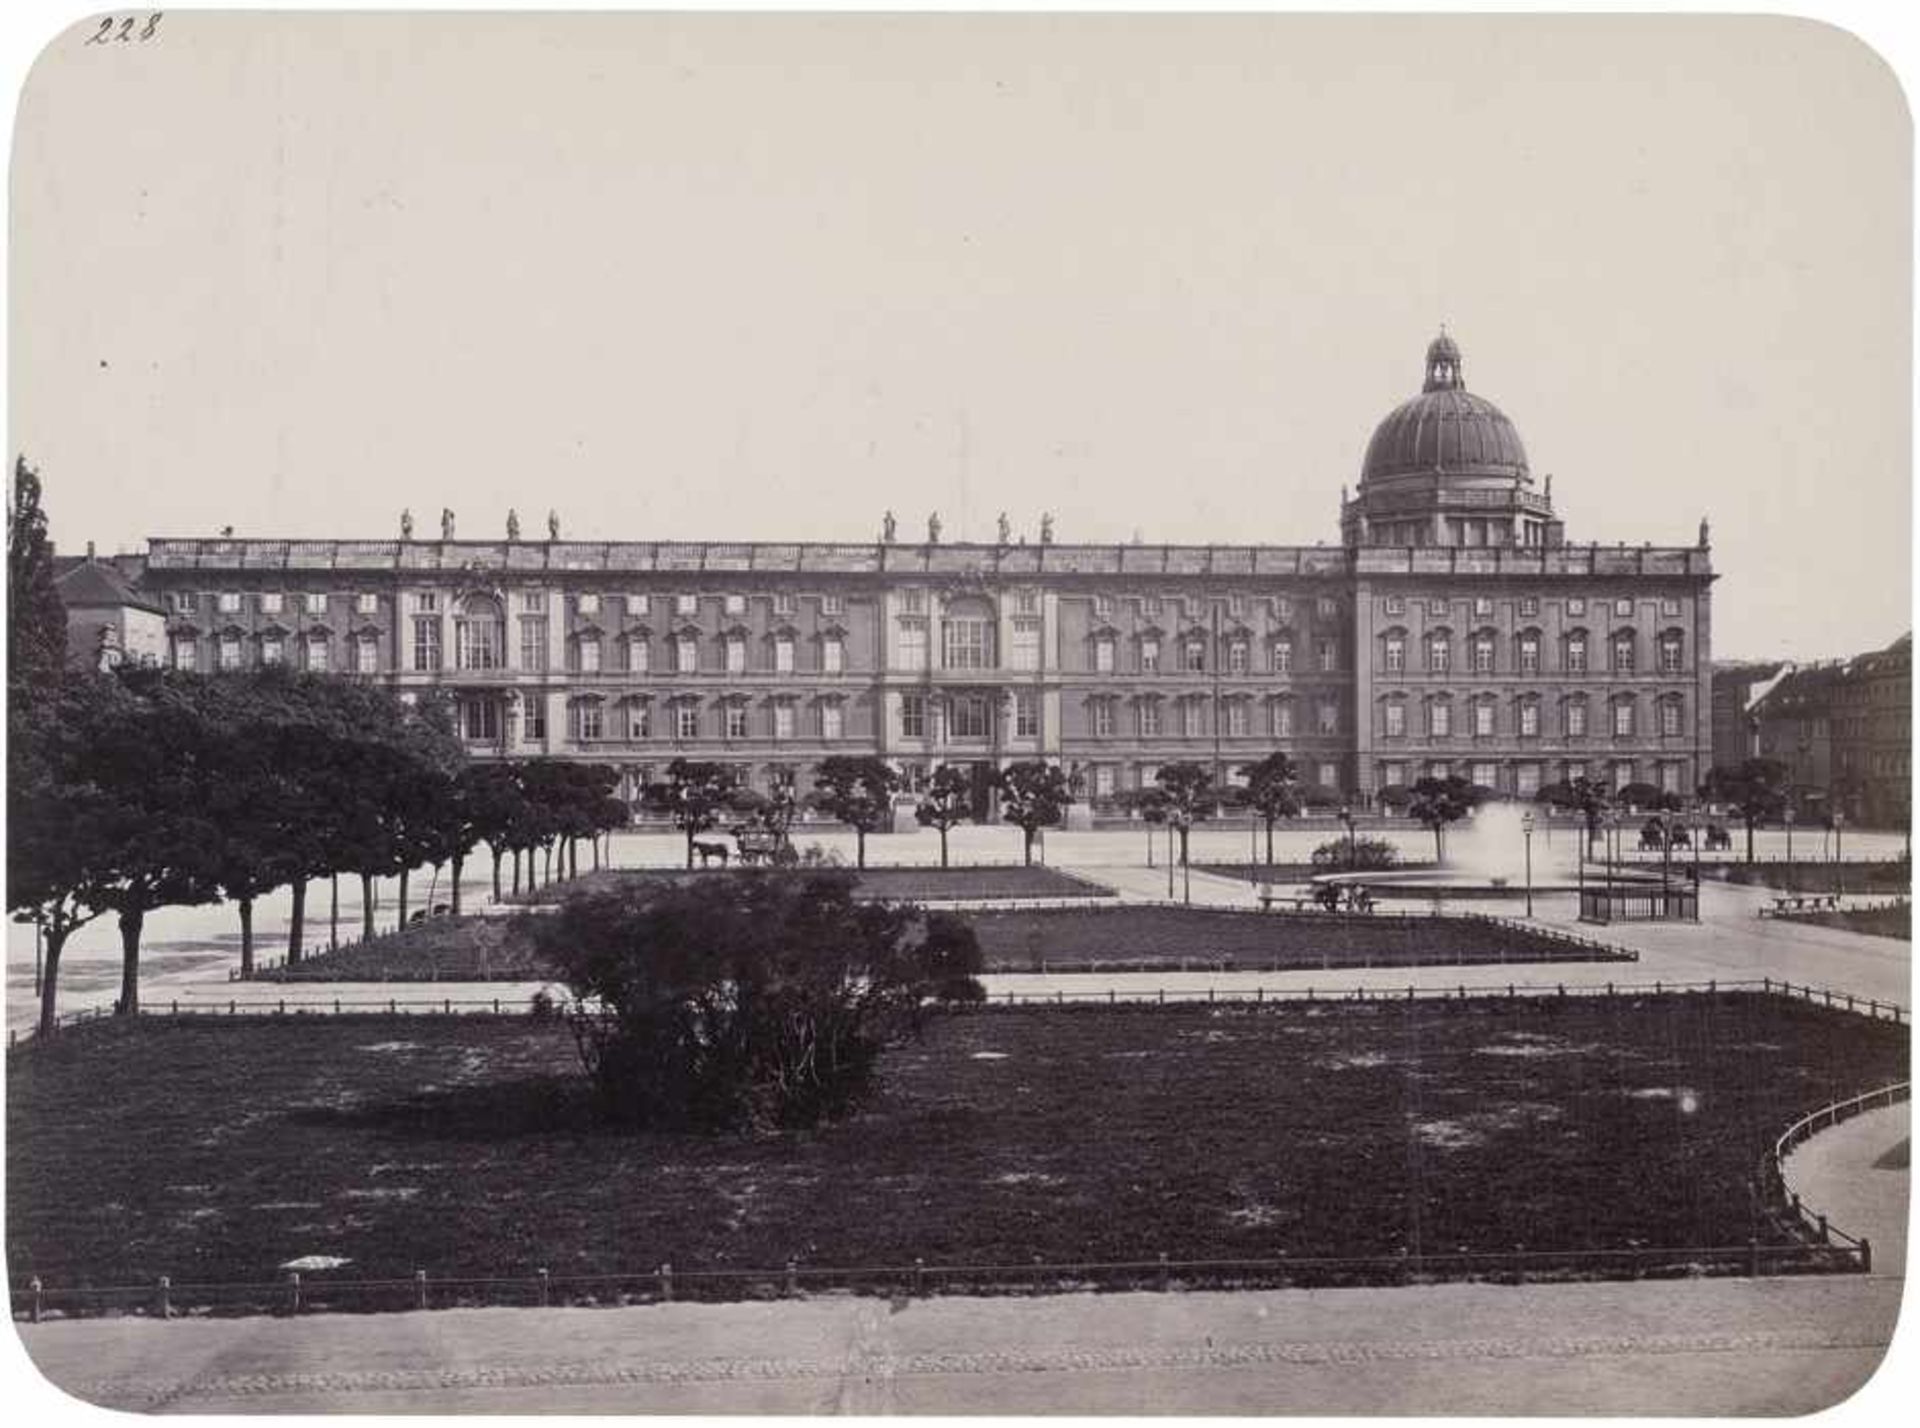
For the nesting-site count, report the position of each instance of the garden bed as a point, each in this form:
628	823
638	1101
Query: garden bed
1598	1135
893	884
1895	921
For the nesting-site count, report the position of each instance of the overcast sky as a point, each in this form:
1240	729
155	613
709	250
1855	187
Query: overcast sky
748	278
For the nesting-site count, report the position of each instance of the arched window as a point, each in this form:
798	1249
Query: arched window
1283	654
586	652
1485	721
1393	651
1623	716
1623	652
477	639
1575	659
1526	716
1672	716
1439	719
1482	646
1576	717
1672	652
1526	651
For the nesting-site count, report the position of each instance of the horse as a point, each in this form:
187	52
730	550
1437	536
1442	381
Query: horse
709	851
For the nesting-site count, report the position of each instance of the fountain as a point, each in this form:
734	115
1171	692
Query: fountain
1486	856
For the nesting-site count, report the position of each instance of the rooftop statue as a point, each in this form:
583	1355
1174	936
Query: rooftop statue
513	524
406	525
446	523
888	527
933	529
553	525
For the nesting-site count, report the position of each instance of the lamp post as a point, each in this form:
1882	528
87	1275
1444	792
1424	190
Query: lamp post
1786	817
1526	828
1608	830
1346	817
1839	867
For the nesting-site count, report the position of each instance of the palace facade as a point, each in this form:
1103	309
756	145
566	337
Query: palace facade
1454	630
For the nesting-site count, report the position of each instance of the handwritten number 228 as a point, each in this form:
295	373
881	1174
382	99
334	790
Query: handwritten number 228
125	31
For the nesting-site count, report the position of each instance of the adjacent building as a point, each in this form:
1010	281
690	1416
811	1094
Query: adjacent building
1843	731
1454	630
110	622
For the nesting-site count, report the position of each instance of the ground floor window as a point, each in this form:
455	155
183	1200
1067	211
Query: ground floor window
536	726
968	713
1526	780
1485	775
480	719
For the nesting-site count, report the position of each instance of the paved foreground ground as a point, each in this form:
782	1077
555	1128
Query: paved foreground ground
1769	1346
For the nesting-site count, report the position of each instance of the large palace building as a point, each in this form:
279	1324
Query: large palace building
1455	630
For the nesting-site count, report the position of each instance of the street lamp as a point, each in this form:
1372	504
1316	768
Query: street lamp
1526	828
1786	817
1839	867
1346	817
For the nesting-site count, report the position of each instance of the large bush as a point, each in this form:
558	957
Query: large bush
1357	854
751	999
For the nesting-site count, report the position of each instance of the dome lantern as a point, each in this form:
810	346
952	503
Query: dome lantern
1443	365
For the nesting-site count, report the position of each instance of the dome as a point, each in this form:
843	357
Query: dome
1446	430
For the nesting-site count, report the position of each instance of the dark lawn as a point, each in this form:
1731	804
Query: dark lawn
216	1150
1877	921
899	884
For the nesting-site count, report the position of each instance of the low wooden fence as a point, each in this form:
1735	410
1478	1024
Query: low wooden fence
1784	1206
320	1292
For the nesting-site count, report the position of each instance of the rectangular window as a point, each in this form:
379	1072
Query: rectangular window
639	655
1669	606
832	719
913	644
1396	654
1103	718
1149	656
271	602
1026	716
686	721
1283	656
783	655
588	721
1670	778
1482	605
1577	719
639	719
1439	654
366	656
1526	780
1437	607
1576	654
1393	774
273	650
1670	656
1483	656
1149	717
1396	605
638	605
1485	775
229	652
426	602
1670	717
965	644
1103	655
228	602
833	654
735	604
1237	657
1329	775
1191	719
587	604
182	601
1529	655
1329	656
737	655
1329	716
1623	609
366	603
1103	607
480	719
915	602
686	655
785	603
686	605
913	716
1026	644
1622	719
315	602
1529	607
319	654
533	643
1622	774
476	643
587	654
1103	781
833	604
1529	720
1576	606
1282	608
426	643
783	720
968	716
736	721
1483	719
534	730
1237	718
1396	717
534	602
1623	654
1282	718
1026	602
186	653
1195	656
1325	609
1440	721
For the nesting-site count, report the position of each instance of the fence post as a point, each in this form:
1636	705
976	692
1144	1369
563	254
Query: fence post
1825	1238
793	1278
293	1287
919	1276
164	1302
1866	1255
1753	1257
666	1284
33	1308
545	1281
1166	1273
420	1287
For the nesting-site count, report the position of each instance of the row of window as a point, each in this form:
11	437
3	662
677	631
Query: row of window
1150	720
316	602
478	645
271	602
1528	606
1483	645
593	720
1191	655
1525	779
969	643
1482	718
312	652
964	716
1194	607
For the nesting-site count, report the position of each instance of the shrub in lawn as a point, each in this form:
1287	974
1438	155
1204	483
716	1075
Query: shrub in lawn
750	999
1358	853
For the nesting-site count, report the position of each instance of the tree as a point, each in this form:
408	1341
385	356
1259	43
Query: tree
1756	789
1186	791
1436	802
1588	797
948	801
858	790
1033	795
36	620
1355	854
762	1003
694	796
1273	792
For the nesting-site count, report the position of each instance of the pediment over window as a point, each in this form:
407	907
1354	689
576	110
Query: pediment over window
1103	630
638	634
833	630
687	632
1151	631
185	629
588	631
319	630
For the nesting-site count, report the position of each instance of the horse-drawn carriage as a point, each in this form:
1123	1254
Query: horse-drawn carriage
1655	836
